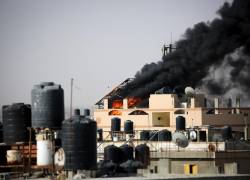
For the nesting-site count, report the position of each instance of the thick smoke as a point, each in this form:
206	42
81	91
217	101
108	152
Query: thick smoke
213	56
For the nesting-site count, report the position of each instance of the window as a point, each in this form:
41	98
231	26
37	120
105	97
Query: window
180	111
115	112
138	112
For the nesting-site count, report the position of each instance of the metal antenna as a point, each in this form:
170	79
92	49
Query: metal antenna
71	96
171	38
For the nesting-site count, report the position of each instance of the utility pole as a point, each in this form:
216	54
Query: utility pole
71	96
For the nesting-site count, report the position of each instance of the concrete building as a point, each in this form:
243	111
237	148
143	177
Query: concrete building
197	158
209	155
163	109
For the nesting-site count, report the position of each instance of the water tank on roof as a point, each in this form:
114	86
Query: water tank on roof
86	112
16	119
115	124
164	135
128	127
44	152
79	143
142	154
47	105
113	154
77	112
180	123
127	152
144	135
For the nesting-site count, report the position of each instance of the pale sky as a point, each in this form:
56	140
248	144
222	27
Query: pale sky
98	43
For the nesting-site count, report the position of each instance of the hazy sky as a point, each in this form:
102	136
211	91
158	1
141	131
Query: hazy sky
98	43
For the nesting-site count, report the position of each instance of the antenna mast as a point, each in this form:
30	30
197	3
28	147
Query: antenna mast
71	95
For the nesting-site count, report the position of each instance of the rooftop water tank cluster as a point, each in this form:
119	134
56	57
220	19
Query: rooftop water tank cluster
116	125
127	157
116	128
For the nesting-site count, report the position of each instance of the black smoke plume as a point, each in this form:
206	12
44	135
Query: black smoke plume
203	50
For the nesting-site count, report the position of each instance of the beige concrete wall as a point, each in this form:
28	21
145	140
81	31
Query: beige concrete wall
162	101
103	118
164	166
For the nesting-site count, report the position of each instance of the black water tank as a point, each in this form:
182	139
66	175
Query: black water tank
86	112
16	119
142	154
144	135
47	105
153	135
77	112
128	127
79	143
180	123
115	124
113	154
164	135
226	132
127	152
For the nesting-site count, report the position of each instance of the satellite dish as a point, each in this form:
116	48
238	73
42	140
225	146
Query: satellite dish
180	139
192	135
189	91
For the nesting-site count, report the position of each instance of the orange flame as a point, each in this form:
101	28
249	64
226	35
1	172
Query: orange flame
133	101
115	112
117	104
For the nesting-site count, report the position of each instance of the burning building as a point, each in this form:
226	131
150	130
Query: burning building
163	108
213	57
212	135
